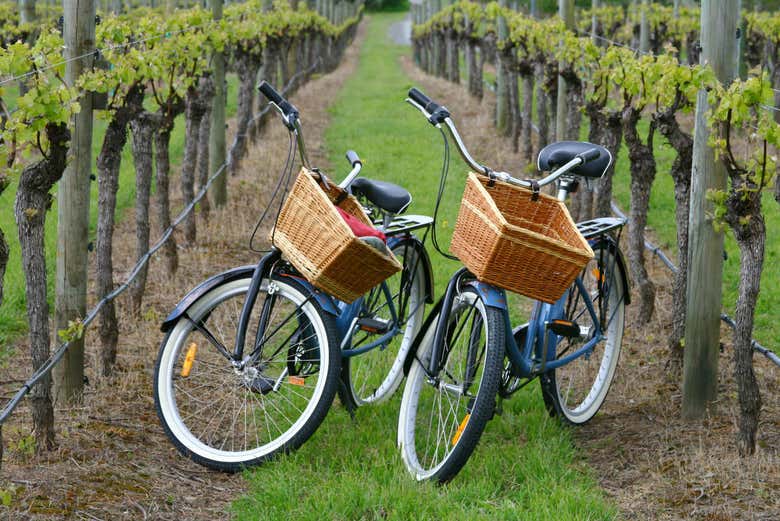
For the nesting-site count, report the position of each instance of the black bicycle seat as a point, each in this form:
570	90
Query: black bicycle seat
387	196
558	154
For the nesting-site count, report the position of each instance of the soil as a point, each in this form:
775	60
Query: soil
120	465
118	462
650	462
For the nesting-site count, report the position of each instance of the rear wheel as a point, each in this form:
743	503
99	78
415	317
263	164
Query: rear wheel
576	391
443	415
374	376
228	414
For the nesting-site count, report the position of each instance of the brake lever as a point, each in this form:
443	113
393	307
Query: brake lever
422	111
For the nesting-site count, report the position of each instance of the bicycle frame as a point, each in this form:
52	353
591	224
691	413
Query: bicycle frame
346	314
537	354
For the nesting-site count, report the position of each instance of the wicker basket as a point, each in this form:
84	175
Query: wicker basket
506	238
317	241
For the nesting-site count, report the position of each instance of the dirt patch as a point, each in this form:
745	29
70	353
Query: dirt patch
113	460
651	463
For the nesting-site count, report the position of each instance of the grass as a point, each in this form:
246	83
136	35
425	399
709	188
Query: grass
13	312
524	467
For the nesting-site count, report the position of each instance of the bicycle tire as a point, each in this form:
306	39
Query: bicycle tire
576	391
229	419
374	376
460	431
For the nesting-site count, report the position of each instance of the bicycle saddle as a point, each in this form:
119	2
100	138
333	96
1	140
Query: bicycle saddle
558	154
387	196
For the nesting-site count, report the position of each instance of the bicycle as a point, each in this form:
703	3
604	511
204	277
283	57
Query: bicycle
252	357
469	353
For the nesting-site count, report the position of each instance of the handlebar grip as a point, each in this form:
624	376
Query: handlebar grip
270	93
589	155
424	101
418	97
353	158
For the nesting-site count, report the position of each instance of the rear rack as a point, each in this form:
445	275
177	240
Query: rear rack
600	226
404	223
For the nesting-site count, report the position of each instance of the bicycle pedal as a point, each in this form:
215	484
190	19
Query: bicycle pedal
373	325
262	384
565	328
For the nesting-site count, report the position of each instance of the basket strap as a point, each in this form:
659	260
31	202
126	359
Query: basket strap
323	178
491	178
535	188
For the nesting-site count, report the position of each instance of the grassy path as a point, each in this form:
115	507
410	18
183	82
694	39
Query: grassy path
525	466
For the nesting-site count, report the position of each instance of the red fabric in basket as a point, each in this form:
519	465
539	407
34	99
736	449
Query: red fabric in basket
359	228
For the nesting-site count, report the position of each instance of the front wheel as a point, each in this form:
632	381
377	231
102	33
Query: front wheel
227	414
444	414
576	391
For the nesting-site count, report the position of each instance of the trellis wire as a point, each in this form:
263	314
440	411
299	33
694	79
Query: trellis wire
724	317
62	348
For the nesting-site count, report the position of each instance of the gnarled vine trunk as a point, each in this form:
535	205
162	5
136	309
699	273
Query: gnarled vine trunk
542	100
193	117
453	57
143	129
743	214
32	202
247	66
440	44
612	136
682	142
642	176
473	64
206	87
109	161
526	139
162	141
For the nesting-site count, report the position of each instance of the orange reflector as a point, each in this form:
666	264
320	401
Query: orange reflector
189	359
460	429
296	380
597	273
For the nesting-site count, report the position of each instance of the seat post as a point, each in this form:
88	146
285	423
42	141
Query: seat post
387	218
565	186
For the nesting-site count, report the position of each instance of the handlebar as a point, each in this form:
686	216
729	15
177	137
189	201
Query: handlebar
357	165
288	110
589	155
438	114
353	158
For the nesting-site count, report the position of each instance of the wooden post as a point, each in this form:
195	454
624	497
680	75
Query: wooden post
26	11
217	152
719	21
70	300
566	12
594	21
644	29
502	93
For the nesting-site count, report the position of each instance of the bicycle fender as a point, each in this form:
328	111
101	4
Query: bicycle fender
621	261
200	290
324	300
492	296
424	257
234	274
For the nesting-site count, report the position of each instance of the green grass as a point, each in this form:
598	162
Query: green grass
661	221
13	313
525	467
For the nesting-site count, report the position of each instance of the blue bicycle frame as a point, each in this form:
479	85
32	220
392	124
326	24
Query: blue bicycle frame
537	354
